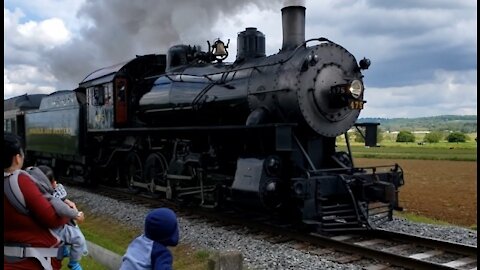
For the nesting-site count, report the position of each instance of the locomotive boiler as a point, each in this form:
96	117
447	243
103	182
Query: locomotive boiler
259	133
319	86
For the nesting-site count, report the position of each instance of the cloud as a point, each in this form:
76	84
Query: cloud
48	33
25	43
414	46
40	10
406	41
21	79
451	92
45	34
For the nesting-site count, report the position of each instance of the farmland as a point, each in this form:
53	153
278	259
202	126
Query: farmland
439	189
414	151
440	178
390	149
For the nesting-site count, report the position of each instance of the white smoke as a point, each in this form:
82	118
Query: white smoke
121	29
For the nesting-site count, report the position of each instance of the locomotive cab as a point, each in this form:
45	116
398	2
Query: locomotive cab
112	95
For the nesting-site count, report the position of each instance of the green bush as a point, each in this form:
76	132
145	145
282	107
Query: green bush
358	137
405	136
456	137
433	137
379	135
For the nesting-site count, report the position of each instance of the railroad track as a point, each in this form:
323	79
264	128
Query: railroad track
387	249
406	250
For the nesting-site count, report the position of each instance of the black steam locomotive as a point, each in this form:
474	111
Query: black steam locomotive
257	133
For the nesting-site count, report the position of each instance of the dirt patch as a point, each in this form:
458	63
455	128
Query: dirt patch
439	189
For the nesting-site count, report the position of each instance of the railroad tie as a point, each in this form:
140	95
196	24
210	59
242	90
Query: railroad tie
424	255
376	267
342	237
397	248
347	258
370	242
321	251
460	262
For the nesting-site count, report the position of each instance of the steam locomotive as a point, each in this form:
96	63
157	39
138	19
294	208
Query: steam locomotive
258	133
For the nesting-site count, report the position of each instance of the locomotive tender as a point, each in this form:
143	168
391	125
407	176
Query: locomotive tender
258	133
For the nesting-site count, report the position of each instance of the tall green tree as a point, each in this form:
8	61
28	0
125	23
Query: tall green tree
405	136
456	137
358	137
379	135
433	137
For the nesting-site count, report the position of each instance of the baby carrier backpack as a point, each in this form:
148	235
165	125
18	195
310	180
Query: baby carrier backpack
15	196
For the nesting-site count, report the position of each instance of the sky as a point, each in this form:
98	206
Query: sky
423	53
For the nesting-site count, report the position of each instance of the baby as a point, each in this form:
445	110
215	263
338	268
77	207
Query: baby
56	194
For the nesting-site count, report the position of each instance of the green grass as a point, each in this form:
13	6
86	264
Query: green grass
116	237
432	151
417	218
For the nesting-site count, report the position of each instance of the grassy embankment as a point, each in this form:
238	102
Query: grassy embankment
116	237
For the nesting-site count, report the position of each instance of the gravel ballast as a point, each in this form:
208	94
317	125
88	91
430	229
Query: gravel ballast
257	253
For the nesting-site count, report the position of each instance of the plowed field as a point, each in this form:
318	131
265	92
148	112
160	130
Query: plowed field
438	189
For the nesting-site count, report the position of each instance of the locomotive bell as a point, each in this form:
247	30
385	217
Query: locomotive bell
219	48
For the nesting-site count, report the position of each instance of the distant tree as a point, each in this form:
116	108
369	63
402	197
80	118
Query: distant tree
405	136
359	137
469	128
456	137
433	137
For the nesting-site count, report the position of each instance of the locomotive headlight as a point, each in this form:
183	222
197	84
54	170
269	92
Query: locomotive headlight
356	88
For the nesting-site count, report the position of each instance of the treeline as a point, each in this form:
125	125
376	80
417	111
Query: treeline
456	123
433	137
408	136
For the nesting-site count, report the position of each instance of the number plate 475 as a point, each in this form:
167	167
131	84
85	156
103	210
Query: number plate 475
355	104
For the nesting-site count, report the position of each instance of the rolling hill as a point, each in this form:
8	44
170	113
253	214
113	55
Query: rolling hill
461	123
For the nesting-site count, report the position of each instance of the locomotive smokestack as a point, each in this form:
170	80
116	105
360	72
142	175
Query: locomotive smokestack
293	23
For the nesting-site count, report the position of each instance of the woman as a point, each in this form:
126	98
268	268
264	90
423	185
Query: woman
23	234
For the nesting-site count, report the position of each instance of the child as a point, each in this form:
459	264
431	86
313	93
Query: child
149	250
56	194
